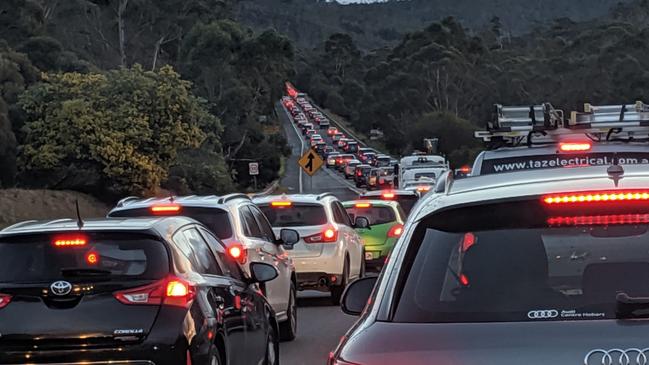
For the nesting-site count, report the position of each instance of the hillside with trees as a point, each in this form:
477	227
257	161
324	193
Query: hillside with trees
443	80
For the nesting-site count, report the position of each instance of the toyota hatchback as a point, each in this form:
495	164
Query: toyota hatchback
537	268
129	291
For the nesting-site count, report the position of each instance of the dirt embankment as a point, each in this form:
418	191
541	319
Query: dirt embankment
17	205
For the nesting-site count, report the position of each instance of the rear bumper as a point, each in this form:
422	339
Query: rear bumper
317	280
144	354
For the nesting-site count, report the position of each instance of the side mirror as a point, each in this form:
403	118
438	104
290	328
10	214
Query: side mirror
288	238
357	294
362	222
261	272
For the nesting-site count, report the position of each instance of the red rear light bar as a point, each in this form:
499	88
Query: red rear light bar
590	220
169	291
169	208
597	197
4	300
575	147
65	241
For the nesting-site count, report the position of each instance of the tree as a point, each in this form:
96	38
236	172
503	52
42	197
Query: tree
111	133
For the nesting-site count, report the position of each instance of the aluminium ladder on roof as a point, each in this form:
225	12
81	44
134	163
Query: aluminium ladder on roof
512	124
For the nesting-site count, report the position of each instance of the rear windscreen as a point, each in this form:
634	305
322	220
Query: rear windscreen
216	219
376	215
295	215
524	262
520	163
36	259
407	202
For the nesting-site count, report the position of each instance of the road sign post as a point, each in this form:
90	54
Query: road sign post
253	170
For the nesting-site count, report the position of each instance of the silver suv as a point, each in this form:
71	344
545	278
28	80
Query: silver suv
244	229
330	253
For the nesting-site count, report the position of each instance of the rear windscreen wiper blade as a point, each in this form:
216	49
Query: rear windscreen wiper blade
80	271
631	307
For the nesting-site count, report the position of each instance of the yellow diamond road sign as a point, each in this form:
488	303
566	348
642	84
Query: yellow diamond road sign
311	162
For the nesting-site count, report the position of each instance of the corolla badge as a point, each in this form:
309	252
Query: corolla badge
61	288
632	356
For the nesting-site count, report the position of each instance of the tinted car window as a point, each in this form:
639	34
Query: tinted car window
491	267
344	217
252	228
376	215
202	252
216	219
266	229
295	215
35	259
226	263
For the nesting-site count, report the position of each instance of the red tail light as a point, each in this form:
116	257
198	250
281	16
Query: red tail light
591	220
359	173
70	240
4	300
395	231
328	235
92	258
168	208
423	189
363	205
281	204
598	197
468	241
575	147
388	195
170	291
238	252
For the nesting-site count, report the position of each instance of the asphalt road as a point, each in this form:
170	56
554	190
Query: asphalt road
320	324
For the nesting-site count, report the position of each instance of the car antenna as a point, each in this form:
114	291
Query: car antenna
79	219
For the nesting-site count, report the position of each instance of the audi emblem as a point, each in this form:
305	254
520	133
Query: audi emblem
61	288
543	314
632	356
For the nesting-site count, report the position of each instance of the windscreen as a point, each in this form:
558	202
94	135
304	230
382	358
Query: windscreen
528	264
37	259
375	214
407	202
295	215
216	219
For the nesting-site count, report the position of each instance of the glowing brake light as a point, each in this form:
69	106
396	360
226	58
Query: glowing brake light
363	205
281	204
326	236
467	241
4	300
237	252
597	197
169	208
422	189
388	195
70	241
395	231
465	169
591	220
169	291
575	147
92	258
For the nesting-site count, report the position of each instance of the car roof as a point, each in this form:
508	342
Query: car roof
296	198
378	202
530	183
550	149
158	224
204	201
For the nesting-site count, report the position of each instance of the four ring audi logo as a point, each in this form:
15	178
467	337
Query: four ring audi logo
543	314
630	356
61	288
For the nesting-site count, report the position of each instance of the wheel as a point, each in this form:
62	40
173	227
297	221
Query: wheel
288	328
272	349
214	357
337	290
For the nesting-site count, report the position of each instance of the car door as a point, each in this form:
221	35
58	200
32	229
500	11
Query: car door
281	286
248	303
352	240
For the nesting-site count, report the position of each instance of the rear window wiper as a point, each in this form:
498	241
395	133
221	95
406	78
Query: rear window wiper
631	307
80	271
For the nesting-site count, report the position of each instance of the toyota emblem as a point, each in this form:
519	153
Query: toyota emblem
61	288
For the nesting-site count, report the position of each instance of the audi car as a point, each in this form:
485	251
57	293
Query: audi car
536	268
130	291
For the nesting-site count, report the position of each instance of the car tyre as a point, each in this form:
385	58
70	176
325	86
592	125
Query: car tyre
214	357
272	349
337	290
288	328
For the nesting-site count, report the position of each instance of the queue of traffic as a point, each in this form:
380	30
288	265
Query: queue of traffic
537	256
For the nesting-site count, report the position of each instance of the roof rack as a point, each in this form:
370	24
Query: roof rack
543	124
324	195
226	198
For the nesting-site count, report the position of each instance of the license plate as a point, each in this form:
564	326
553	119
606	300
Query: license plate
369	256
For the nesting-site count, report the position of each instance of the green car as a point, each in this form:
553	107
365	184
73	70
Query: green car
386	225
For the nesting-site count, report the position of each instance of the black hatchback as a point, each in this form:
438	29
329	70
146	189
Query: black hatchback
129	291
